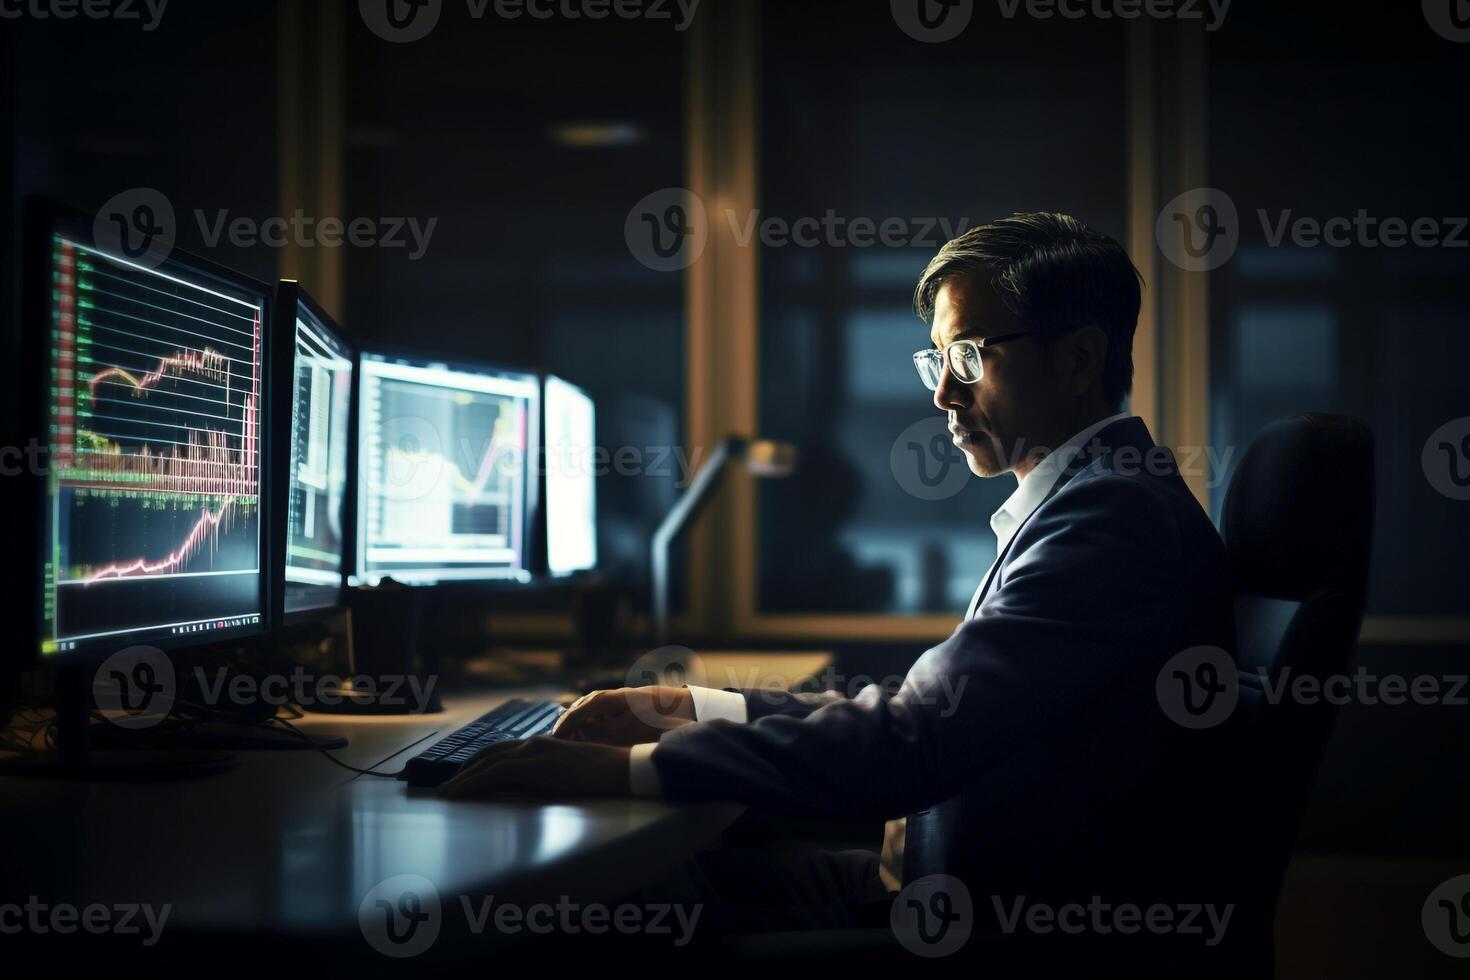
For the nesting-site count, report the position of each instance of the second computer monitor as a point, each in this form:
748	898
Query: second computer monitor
445	464
321	369
571	479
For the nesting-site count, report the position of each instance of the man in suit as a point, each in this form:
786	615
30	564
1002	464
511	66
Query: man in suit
1028	752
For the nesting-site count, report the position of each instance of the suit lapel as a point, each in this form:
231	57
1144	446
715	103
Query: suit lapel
1130	432
984	589
985	584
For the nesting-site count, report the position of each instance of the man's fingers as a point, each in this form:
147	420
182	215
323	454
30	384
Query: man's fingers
488	756
590	719
578	710
503	776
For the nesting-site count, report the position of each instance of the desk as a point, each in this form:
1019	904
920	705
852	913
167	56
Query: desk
288	844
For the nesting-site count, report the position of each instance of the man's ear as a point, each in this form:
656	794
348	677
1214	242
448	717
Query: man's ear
1088	353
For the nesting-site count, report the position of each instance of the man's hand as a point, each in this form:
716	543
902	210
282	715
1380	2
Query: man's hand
543	767
627	716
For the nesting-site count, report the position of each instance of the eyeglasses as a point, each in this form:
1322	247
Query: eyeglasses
963	357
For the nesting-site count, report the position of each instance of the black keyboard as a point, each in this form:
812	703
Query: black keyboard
513	721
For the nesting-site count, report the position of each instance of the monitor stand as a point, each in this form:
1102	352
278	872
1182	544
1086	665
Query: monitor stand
403	693
74	758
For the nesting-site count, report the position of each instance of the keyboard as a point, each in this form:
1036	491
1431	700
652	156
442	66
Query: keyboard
515	720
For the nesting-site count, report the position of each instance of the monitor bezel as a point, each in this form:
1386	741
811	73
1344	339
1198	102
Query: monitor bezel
420	357
290	295
43	217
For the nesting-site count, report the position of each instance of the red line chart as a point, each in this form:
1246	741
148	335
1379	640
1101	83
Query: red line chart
162	410
207	363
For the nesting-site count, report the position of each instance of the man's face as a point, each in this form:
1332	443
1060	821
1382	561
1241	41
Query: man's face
998	421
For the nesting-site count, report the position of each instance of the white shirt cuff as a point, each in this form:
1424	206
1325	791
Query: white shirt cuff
712	704
642	776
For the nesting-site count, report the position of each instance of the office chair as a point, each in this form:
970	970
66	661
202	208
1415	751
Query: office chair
1297	524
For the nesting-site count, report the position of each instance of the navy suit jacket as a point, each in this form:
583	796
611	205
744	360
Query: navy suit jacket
1029	749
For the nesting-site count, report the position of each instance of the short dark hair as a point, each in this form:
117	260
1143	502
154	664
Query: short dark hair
1056	274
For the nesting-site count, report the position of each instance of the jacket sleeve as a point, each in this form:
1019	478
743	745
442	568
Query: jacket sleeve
766	703
1070	635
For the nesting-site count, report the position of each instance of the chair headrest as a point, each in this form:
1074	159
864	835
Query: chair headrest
1298	516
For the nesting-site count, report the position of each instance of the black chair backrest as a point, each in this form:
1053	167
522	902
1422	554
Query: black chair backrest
1297	525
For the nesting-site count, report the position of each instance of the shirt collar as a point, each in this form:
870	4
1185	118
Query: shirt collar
1036	485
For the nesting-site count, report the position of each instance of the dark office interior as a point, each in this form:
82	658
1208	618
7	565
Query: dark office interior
472	506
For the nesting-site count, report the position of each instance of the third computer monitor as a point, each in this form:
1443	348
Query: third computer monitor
445	453
571	481
322	363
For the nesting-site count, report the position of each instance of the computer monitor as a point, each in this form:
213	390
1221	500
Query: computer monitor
152	398
445	464
317	407
570	501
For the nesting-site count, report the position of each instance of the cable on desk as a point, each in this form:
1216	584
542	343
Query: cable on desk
336	761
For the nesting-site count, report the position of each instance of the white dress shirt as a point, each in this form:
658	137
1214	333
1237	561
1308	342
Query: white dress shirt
710	704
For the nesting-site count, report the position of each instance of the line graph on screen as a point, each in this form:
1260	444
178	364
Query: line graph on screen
157	424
